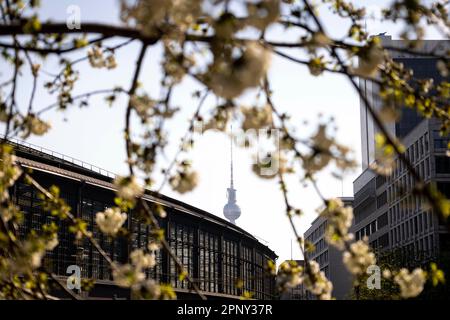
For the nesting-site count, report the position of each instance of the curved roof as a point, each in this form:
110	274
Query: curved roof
67	168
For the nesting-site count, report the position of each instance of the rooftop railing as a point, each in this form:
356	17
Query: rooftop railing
77	162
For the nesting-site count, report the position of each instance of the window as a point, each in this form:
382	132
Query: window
380	180
403	231
181	240
381	199
440	142
444	188
230	271
368	230
416	226
383	241
442	164
209	261
247	273
382	220
421	146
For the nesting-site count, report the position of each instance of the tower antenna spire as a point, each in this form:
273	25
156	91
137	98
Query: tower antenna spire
231	210
231	159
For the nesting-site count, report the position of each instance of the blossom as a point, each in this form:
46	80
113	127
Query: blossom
149	14
359	257
142	260
339	220
263	13
256	118
387	273
152	288
316	281
370	60
97	59
229	77
289	275
142	105
36	258
52	243
95	56
384	163
110	62
35	69
110	220
34	125
411	284
153	246
219	120
9	173
321	155
127	275
184	180
128	188
148	289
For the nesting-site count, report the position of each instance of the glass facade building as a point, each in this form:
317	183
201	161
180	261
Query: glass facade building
222	259
388	210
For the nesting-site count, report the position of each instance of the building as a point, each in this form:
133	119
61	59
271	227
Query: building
231	210
216	253
385	208
328	257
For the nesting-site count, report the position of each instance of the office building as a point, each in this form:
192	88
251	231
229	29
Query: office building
328	257
386	210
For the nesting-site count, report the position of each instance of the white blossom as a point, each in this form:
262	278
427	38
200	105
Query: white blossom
229	78
36	258
153	246
387	273
289	275
359	257
142	260
127	275
184	181
95	56
110	220
411	284
368	64
256	118
339	220
149	14
128	188
261	14
52	243
316	281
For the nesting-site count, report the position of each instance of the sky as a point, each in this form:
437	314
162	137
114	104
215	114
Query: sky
95	134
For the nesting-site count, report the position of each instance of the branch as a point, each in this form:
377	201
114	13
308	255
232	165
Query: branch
191	127
131	92
50	50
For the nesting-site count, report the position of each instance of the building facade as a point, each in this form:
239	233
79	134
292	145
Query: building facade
386	209
217	254
328	257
